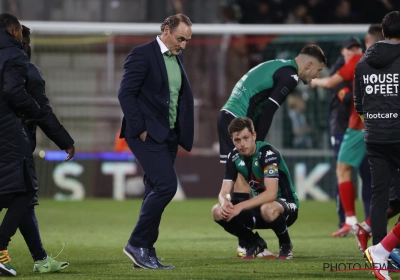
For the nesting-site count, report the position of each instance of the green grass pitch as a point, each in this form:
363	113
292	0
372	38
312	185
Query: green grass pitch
96	231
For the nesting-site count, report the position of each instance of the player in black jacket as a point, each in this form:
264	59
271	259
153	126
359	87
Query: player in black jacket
48	122
377	100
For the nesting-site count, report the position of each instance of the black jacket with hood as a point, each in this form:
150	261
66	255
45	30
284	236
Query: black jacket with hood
15	148
377	92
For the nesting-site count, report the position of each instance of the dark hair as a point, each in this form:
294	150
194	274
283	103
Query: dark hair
375	30
391	25
314	51
238	124
26	32
8	20
173	22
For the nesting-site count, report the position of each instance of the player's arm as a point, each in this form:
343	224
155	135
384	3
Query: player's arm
227	185
269	195
327	82
358	96
135	71
14	78
47	120
285	81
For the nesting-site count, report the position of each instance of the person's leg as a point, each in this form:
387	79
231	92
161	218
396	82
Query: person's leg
378	254
30	231
157	161
365	174
241	226
347	192
382	172
351	154
279	215
336	141
17	205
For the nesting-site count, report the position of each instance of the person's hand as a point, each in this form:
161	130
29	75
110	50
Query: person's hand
234	212
71	152
143	136
314	83
225	210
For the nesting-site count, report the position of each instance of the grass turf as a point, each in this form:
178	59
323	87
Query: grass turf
96	231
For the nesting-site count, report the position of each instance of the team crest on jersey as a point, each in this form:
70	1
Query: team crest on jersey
256	163
271	171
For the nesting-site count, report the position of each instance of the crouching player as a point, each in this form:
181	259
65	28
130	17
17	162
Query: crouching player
274	204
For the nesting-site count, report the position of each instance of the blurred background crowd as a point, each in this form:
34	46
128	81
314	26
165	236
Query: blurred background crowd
83	71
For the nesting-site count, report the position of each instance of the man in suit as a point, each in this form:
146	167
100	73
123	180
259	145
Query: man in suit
157	103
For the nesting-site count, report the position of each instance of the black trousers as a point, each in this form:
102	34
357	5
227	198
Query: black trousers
17	205
29	229
384	161
157	161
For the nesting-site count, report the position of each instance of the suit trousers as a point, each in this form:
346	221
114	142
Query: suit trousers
160	181
384	161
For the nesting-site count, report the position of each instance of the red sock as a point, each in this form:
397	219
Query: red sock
392	239
347	196
368	221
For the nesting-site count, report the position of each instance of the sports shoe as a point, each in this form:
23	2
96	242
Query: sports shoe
267	255
362	236
343	231
49	265
241	252
285	251
380	265
395	256
253	249
5	264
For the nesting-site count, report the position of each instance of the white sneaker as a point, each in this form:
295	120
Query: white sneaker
267	255
241	252
379	264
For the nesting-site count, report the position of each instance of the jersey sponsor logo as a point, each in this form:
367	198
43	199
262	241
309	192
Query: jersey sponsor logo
269	153
270	159
384	84
271	171
235	157
241	163
295	77
381	115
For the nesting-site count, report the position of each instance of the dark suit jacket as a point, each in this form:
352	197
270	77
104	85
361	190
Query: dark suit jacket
144	97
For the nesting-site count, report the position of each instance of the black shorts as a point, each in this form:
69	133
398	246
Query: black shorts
253	219
225	140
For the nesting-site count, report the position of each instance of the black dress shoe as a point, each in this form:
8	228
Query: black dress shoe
140	256
160	265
